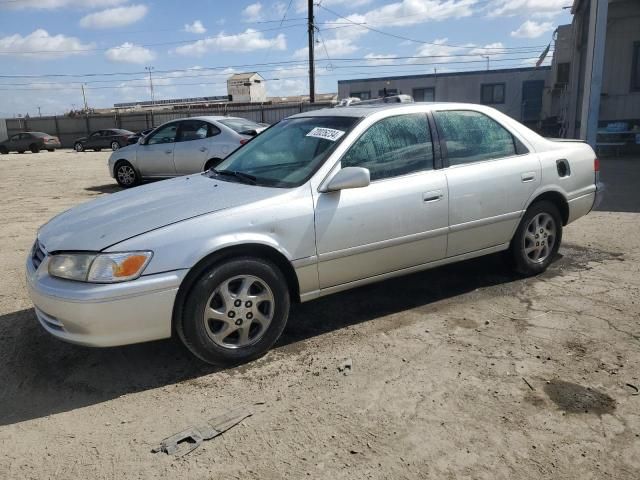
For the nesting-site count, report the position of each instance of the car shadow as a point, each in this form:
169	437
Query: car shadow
41	375
107	188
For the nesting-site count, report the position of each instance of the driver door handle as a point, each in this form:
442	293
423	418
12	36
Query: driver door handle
433	196
168	152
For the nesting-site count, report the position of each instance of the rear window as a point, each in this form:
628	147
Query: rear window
240	125
118	131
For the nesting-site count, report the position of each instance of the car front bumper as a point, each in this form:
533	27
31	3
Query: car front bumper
103	315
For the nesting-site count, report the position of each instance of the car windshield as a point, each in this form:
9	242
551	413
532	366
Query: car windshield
287	154
240	125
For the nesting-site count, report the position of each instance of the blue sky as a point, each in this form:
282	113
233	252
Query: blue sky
194	46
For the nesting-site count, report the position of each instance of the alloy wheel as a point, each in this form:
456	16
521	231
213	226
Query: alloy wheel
126	175
239	311
540	238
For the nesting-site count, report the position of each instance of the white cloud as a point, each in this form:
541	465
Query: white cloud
130	53
538	8
337	47
51	4
531	29
414	12
442	53
288	81
114	17
248	41
195	27
301	5
253	12
43	45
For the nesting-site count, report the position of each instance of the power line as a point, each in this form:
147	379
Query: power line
83	50
401	37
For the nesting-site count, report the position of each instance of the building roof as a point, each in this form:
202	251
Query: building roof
243	76
447	74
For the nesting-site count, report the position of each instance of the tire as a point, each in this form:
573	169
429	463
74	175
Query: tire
537	239
115	146
78	147
253	325
212	163
34	148
125	174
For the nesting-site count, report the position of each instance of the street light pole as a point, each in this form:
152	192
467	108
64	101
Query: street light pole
312	73
84	99
149	69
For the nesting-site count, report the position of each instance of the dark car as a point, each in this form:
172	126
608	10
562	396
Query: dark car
113	138
137	136
34	141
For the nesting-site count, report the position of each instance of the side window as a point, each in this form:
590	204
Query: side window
96	134
394	146
15	138
193	130
166	134
472	136
213	130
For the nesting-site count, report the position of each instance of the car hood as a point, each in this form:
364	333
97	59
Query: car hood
96	225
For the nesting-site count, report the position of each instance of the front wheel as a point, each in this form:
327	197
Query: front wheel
125	174
115	146
78	147
235	311
537	239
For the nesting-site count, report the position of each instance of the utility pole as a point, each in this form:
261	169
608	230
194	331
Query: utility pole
149	69
488	61
84	99
39	113
312	72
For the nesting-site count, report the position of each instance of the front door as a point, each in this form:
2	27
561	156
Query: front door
490	175
154	157
399	220
192	148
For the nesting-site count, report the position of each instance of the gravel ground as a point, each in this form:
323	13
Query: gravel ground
460	372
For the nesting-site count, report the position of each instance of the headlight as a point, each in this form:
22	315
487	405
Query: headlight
99	268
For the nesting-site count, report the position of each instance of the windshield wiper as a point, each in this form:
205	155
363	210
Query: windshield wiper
244	177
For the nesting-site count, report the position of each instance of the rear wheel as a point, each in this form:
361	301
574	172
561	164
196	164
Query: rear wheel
34	148
78	147
235	311
537	239
125	174
115	146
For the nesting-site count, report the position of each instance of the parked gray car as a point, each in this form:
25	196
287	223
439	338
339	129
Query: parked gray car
180	147
32	141
321	202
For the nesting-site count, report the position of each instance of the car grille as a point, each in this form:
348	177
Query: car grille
37	254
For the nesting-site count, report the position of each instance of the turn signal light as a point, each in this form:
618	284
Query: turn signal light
130	266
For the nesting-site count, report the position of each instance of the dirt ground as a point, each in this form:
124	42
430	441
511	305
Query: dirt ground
460	372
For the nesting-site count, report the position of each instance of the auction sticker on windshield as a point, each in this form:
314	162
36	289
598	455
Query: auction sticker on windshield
326	133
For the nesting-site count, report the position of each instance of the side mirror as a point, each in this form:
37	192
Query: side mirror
348	177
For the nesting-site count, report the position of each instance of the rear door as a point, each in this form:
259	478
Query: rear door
490	174
192	148
399	220
154	157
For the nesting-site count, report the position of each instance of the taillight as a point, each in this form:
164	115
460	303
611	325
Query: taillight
243	141
596	165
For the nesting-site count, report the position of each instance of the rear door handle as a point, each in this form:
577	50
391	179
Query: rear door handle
528	177
433	196
168	152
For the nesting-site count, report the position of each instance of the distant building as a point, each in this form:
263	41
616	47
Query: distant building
517	92
172	102
595	73
246	88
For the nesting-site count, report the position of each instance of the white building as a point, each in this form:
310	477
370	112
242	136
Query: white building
246	88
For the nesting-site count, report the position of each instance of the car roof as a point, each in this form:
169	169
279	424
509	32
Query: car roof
361	111
215	118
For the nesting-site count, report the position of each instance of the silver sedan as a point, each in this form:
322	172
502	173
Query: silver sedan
180	147
321	202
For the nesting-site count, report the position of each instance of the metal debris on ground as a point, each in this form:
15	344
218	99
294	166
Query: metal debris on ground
636	390
528	384
346	366
188	440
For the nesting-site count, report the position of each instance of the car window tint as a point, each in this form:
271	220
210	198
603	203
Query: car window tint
472	136
193	130
166	134
393	146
